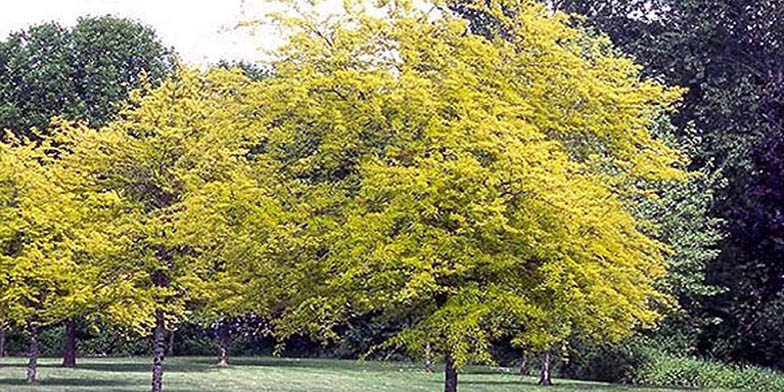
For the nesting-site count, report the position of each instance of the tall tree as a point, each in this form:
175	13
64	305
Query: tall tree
729	56
183	158
457	172
82	73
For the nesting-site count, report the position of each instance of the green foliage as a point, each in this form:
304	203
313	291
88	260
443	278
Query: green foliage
729	55
251	70
680	216
665	369
660	361
83	73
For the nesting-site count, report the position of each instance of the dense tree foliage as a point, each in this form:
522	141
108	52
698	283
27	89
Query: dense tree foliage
83	73
464	200
437	179
182	158
60	246
728	54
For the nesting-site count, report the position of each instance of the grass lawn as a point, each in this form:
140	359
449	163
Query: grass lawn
186	374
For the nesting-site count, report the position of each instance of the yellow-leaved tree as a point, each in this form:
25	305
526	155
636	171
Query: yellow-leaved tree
456	175
61	244
185	158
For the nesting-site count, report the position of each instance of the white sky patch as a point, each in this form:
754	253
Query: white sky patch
201	31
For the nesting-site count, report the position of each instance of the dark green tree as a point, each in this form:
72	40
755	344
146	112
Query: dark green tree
82	73
730	55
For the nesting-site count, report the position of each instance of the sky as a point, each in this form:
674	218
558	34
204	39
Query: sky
201	31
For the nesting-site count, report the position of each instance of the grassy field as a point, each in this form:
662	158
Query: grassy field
272	374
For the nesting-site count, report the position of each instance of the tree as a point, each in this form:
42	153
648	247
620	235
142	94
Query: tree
82	73
457	173
58	245
183	157
728	54
680	214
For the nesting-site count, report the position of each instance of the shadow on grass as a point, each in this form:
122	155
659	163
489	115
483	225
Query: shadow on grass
66	382
122	367
566	385
559	386
309	363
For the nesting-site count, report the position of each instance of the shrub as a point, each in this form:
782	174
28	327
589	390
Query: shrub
663	361
664	369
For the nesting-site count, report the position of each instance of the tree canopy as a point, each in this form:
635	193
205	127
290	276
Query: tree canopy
83	73
461	172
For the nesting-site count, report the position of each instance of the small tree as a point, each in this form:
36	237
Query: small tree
82	73
58	243
183	158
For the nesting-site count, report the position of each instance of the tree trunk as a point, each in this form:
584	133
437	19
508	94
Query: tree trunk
2	342
170	346
428	358
69	346
544	374
524	366
32	365
223	343
450	374
158	349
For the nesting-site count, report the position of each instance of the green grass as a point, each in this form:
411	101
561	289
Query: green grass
272	374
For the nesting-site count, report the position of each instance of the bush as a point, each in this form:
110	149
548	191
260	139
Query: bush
663	362
601	362
663	369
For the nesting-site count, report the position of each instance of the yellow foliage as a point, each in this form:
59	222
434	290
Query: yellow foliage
58	241
181	161
460	174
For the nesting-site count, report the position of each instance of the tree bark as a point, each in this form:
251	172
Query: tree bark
170	346
524	366
32	365
2	342
223	343
158	348
450	374
428	358
544	374
69	346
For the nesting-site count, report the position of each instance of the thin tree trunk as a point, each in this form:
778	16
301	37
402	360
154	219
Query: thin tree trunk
450	374
428	358
524	365
544	374
223	343
158	348
69	346
32	365
170	346
2	342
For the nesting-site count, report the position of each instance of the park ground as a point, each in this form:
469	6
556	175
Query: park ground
191	374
